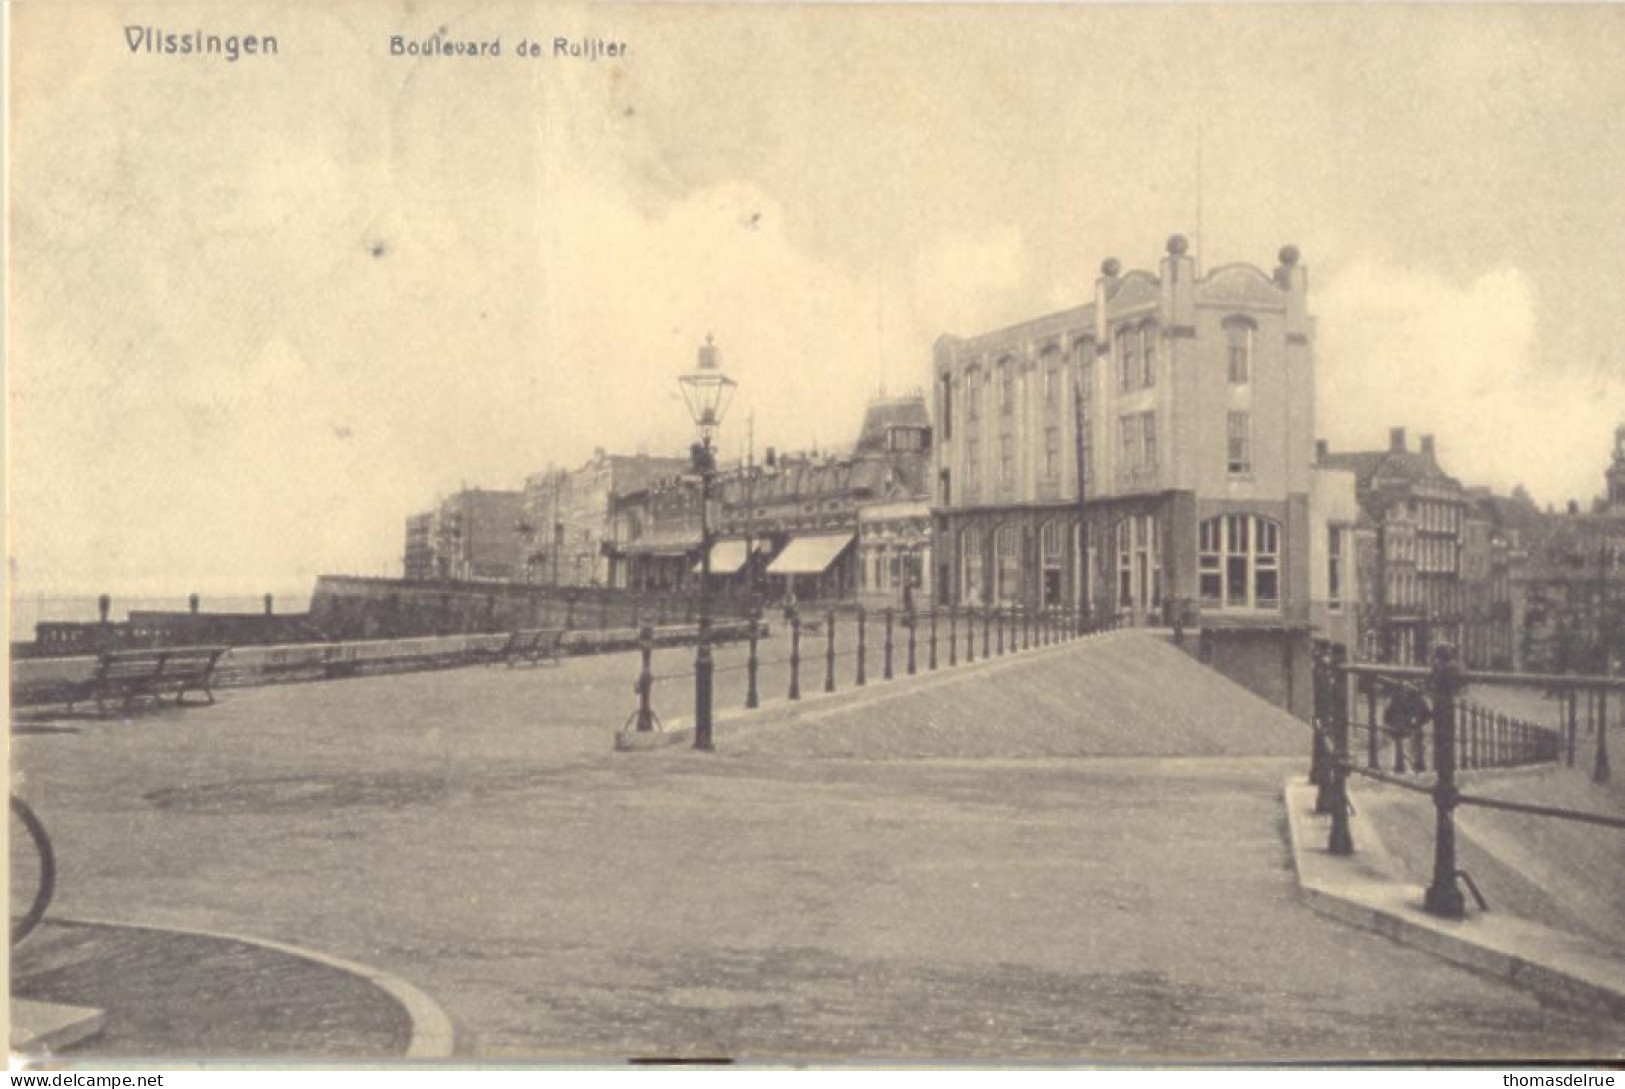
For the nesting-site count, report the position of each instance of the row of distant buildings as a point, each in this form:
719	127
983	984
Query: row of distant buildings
822	527
1150	454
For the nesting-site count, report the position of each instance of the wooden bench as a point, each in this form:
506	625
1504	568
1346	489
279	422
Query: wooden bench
129	675
532	645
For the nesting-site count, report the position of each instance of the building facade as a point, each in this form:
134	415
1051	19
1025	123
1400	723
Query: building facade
1415	595
568	514
1147	451
471	535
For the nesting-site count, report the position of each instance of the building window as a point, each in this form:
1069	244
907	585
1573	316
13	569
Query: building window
1050	539
947	413
972	464
1139	562
1007	460
1007	550
1148	353
1239	335
1334	568
1238	443
1131	440
973	397
1127	365
1052	452
1086	452
946	487
1052	377
1007	386
970	551
1239	562
1148	430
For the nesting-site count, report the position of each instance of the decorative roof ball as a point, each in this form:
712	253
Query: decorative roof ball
1289	255
1178	244
1110	267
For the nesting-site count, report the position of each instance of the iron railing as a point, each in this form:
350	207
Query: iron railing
1412	715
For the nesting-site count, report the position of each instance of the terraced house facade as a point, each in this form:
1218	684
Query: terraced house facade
1183	400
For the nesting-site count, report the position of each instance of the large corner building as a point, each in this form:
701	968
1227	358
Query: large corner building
1186	402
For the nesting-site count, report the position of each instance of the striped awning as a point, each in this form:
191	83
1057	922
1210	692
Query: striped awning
810	555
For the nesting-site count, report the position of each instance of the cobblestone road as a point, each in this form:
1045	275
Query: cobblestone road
883	896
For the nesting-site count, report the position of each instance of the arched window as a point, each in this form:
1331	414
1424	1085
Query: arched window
1148	352
1007	553
970	552
1239	335
1239	562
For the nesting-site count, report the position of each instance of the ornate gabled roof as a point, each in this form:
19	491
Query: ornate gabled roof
1241	284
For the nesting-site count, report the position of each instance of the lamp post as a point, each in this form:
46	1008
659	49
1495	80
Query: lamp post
707	392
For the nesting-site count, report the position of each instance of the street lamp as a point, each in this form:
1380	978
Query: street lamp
707	392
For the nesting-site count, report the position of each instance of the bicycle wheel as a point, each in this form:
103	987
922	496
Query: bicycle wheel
33	870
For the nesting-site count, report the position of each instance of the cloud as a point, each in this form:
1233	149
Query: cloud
1463	361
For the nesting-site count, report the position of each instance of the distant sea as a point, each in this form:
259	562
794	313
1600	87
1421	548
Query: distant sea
28	610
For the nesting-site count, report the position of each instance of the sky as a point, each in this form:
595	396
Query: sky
261	311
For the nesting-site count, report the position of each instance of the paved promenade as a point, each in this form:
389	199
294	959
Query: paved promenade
1075	855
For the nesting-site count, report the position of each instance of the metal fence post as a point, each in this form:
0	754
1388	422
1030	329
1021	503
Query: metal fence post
1572	715
998	622
1599	774
953	636
931	654
885	673
829	650
863	649
752	699
912	620
795	654
1026	627
987	633
646	681
1372	755
1341	841
1443	896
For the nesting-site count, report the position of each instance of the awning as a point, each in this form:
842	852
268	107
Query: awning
660	546
809	555
727	557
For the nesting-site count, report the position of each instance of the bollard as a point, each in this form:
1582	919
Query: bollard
863	649
912	621
1443	896
1341	841
752	699
885	673
931	655
795	654
646	681
953	636
987	633
829	650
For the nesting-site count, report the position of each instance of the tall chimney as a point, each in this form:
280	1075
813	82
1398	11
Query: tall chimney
1427	445
1322	449
1396	440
